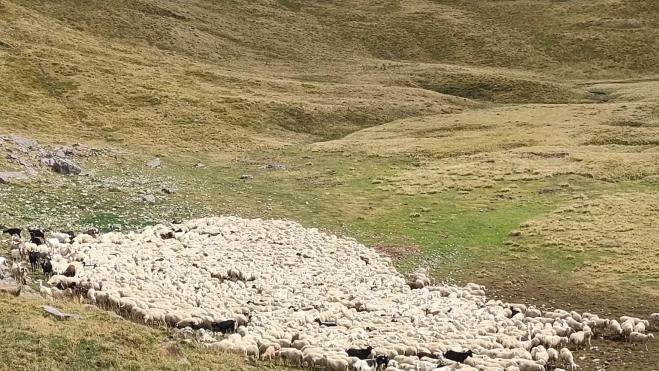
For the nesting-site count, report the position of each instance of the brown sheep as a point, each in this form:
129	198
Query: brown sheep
70	271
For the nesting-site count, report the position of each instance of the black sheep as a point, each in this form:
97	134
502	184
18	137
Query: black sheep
70	233
168	235
327	324
458	356
224	326
378	362
360	353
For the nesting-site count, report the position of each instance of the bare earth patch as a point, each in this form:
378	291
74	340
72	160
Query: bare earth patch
396	252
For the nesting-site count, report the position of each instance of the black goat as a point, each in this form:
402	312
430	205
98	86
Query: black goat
36	233
37	236
428	355
458	356
35	257
13	231
514	311
224	326
47	268
360	353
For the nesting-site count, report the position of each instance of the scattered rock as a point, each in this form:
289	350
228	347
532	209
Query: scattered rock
184	361
275	167
28	293
65	166
246	176
47	162
169	190
11	289
149	198
154	164
60	315
64	152
6	176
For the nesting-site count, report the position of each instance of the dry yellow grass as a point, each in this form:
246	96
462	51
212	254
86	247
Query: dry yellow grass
163	74
35	340
480	147
615	234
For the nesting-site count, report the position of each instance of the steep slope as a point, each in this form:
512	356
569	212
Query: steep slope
238	74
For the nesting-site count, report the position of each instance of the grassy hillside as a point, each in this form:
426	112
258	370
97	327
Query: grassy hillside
100	341
236	74
511	143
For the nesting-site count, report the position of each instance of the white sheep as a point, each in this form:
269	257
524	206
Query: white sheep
637	337
654	318
627	328
223	268
615	329
580	338
639	327
568	359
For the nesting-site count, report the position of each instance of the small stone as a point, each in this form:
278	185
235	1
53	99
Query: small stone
47	162
184	361
154	164
246	176
169	190
199	164
275	167
149	198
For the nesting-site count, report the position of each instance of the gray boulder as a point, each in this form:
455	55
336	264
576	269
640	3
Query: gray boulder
6	176
65	166
149	198
59	314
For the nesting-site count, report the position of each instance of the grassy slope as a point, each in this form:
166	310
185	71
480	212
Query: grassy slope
497	137
238	74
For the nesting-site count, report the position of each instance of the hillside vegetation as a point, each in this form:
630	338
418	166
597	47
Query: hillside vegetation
236	73
509	143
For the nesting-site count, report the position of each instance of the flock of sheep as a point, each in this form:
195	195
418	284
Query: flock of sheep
275	290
